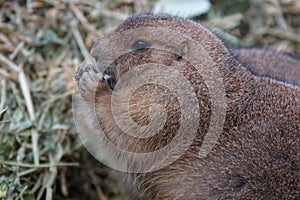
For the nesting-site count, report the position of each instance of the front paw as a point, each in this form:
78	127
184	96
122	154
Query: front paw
87	80
81	69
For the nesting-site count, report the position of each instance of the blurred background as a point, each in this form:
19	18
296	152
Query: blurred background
43	42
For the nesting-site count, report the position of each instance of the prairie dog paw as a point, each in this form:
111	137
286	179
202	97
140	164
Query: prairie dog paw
87	80
81	69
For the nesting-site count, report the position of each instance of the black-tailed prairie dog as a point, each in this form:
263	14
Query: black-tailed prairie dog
257	152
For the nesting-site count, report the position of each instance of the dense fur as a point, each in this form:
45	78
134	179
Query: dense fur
272	64
258	153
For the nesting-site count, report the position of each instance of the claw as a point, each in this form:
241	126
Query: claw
87	79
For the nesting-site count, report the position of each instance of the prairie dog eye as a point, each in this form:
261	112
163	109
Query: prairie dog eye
140	45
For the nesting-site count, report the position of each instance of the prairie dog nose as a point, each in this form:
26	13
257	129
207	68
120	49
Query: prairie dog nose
109	78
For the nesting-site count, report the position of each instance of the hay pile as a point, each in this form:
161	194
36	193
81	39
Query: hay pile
41	45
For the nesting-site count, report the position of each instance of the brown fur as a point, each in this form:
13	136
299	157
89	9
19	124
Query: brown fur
258	153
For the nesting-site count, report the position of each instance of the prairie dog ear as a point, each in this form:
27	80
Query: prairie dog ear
182	49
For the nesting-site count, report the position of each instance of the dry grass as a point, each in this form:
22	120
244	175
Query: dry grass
43	42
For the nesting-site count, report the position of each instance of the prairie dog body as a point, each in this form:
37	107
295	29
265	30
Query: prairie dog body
257	155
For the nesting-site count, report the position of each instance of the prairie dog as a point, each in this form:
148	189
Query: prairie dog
257	154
